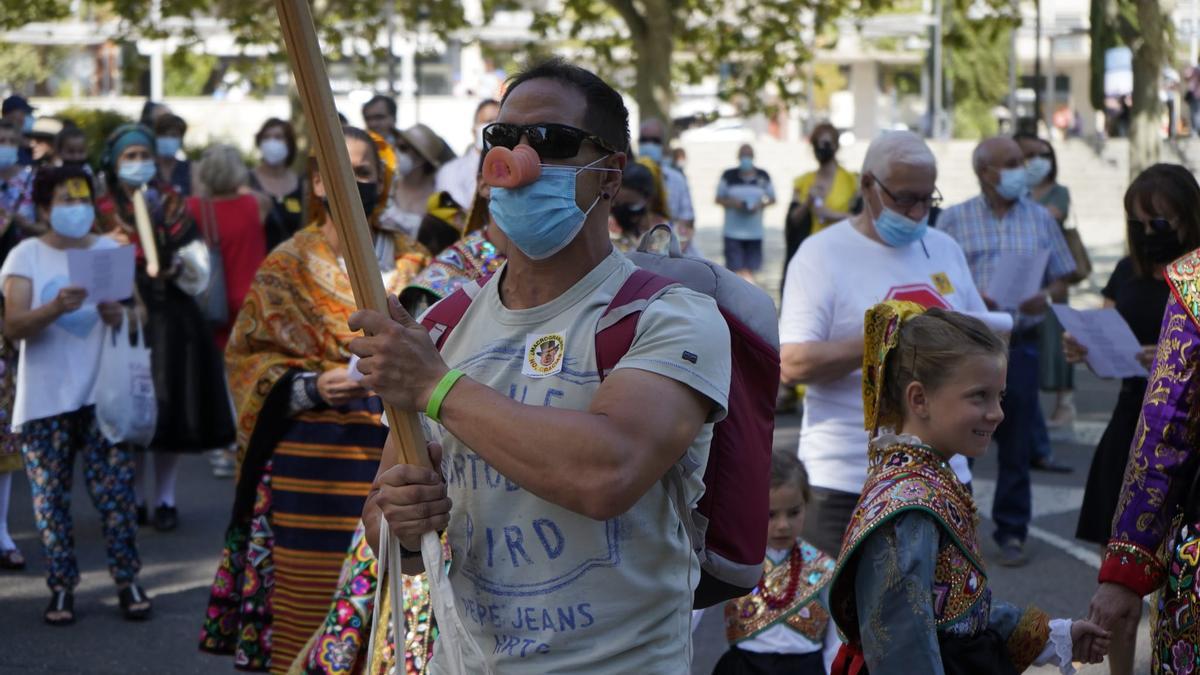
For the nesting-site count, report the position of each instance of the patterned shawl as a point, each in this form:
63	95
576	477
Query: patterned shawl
295	317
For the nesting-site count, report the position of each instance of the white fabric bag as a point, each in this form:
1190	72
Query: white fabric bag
125	405
453	640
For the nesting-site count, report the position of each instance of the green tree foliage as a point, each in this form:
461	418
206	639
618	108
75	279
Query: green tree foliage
976	42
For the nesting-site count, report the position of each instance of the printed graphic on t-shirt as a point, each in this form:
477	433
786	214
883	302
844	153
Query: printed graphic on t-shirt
544	354
942	282
923	294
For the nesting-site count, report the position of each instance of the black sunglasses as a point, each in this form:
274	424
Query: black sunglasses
906	201
1156	224
550	141
650	139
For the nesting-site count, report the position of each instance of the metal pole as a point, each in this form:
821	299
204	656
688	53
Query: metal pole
156	54
1051	90
389	14
938	127
1012	65
1037	64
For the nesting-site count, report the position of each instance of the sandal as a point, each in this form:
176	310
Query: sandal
134	595
61	602
12	560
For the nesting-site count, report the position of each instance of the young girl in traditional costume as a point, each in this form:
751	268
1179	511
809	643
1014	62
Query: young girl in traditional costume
910	592
783	627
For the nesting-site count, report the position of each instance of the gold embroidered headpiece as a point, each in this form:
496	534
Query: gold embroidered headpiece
881	332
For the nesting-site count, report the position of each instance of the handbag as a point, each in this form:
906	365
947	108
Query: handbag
214	303
1083	262
126	407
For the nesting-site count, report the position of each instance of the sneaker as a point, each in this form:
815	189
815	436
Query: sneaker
1012	553
166	518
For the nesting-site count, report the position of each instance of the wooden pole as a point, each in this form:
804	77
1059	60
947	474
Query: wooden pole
316	97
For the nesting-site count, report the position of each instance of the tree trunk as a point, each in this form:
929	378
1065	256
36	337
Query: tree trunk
653	44
1149	56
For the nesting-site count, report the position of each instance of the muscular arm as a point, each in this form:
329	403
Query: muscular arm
597	462
808	362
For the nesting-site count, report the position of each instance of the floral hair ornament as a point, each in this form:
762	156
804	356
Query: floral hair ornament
881	333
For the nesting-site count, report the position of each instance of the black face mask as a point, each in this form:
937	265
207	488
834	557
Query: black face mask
824	152
1160	248
368	194
628	216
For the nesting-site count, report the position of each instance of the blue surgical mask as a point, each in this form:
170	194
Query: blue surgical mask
136	173
897	230
1014	183
167	146
746	164
8	156
1037	169
651	151
72	220
542	218
28	126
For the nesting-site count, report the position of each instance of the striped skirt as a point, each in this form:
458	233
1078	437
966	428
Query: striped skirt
281	564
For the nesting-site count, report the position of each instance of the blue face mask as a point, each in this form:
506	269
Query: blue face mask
167	146
72	220
136	173
1037	169
1014	183
8	156
28	125
651	151
542	218
746	164
897	230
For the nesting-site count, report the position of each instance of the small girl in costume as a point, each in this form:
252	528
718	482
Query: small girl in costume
783	626
910	592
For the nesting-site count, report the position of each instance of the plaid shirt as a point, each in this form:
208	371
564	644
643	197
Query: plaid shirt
1027	229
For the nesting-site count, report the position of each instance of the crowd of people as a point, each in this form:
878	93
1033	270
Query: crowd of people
552	488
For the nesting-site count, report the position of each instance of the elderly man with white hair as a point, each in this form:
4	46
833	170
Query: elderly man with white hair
887	252
994	228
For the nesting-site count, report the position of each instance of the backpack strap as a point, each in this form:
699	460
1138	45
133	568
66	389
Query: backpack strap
442	318
618	325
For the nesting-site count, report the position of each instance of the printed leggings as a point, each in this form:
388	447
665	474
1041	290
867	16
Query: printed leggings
49	446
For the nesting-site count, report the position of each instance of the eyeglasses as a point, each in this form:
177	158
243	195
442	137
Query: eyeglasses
1155	224
550	141
906	201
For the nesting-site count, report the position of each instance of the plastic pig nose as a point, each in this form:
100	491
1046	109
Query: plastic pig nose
514	168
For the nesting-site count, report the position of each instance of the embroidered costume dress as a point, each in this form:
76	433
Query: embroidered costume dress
340	645
1155	542
304	468
910	591
783	626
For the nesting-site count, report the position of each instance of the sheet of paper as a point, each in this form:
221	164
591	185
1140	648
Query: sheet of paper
1111	344
106	273
1017	277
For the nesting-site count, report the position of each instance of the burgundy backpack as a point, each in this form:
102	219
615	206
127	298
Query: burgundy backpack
728	527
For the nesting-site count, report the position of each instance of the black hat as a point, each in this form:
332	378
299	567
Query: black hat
14	103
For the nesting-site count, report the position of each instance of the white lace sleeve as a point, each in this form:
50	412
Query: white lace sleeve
1058	648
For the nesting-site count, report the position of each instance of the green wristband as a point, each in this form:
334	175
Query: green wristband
434	409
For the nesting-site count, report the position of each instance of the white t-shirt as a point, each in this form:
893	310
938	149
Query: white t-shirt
56	372
834	278
542	589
